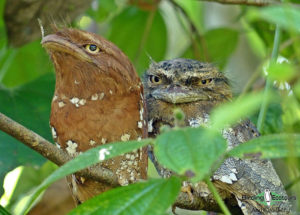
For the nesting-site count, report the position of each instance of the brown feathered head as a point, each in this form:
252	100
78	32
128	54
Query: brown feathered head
88	59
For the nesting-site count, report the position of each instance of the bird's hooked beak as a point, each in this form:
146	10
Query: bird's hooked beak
55	43
178	94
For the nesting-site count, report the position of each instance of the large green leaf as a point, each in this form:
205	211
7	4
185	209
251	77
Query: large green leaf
88	158
229	113
30	106
147	198
129	31
24	64
190	151
287	16
269	146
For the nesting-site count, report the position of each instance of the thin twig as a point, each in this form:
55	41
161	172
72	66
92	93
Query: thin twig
218	198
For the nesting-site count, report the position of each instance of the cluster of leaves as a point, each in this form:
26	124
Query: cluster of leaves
27	87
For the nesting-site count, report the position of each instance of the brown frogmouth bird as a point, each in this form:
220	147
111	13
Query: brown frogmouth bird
196	88
98	99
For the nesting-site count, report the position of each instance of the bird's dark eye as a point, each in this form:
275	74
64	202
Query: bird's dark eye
92	48
155	79
203	81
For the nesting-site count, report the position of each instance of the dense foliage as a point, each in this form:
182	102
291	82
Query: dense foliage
239	40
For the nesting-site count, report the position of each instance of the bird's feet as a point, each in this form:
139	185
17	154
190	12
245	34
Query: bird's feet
187	188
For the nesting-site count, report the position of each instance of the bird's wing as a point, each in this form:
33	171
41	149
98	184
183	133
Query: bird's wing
247	178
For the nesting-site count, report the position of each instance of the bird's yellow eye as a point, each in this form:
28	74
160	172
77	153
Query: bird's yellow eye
206	81
155	79
92	48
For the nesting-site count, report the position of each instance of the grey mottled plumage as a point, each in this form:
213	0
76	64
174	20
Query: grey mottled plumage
196	88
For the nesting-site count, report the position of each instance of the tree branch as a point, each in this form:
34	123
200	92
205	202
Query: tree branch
51	152
96	172
245	2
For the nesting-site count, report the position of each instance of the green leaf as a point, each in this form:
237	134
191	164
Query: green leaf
88	158
256	40
218	48
281	71
273	122
129	30
147	198
30	106
195	10
3	211
191	151
229	113
30	177
287	16
291	114
3	39
221	47
24	64
269	146
103	11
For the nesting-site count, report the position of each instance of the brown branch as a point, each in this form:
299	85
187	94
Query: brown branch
51	152
96	172
245	2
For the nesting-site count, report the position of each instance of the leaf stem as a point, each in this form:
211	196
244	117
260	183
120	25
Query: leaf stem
264	105
218	198
10	56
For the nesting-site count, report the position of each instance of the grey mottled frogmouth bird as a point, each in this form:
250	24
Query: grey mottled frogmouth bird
196	88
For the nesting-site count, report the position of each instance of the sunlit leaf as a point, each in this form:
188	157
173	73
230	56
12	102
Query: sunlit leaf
269	146
287	16
229	113
88	158
190	151
30	177
281	71
256	42
147	198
